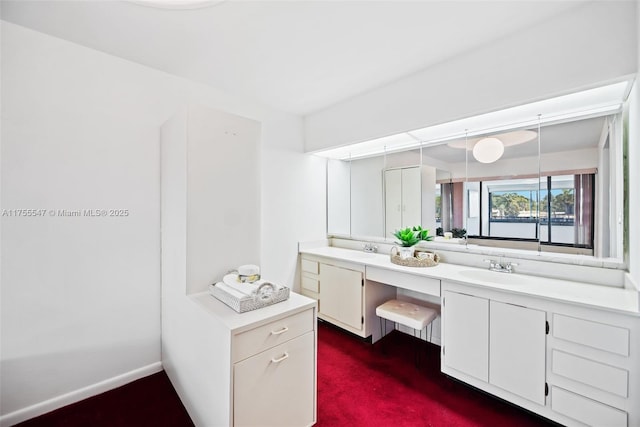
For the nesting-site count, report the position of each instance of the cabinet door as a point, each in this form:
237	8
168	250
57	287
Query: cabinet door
393	200
276	387
466	334
517	350
411	197
341	294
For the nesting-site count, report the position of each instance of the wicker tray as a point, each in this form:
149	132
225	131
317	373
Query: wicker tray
414	261
248	303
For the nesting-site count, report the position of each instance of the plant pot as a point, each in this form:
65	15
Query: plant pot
406	252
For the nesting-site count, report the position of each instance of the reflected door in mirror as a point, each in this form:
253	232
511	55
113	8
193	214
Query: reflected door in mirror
403	199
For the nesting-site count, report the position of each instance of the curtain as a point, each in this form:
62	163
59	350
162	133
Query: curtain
452	205
583	209
446	214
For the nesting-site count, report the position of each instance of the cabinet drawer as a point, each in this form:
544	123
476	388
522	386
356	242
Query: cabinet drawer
276	387
425	285
310	284
593	334
586	410
598	375
309	266
254	341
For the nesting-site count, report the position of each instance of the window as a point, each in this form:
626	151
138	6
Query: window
567	210
558	210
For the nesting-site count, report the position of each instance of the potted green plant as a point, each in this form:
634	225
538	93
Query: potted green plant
422	233
406	239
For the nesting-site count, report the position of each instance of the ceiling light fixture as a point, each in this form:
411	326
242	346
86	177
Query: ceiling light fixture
488	150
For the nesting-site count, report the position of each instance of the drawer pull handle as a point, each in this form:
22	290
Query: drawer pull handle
281	358
281	331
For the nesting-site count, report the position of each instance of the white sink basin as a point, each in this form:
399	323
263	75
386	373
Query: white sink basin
495	277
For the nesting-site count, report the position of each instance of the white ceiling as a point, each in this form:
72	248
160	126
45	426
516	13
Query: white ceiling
297	56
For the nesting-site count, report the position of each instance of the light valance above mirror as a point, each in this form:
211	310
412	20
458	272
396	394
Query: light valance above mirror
595	102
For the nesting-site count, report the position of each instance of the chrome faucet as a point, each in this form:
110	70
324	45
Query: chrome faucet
506	267
369	247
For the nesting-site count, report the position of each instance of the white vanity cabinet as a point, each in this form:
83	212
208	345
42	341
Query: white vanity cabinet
568	351
517	350
573	364
273	375
344	297
341	290
467	331
494	342
593	367
259	366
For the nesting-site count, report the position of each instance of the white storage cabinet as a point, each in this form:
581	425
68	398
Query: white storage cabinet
495	342
344	297
573	364
265	360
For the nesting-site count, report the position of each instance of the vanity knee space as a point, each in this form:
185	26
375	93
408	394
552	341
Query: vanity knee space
348	293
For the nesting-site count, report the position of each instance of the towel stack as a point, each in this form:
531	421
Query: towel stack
242	290
259	289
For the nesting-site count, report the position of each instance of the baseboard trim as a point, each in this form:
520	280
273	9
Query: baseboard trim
78	395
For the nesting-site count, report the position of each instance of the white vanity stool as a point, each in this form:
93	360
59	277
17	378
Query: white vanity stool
408	314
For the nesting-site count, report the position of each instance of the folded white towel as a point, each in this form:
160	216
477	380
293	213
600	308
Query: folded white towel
230	290
231	280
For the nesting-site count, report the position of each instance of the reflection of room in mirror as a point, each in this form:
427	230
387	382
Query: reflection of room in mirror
577	157
380	199
561	211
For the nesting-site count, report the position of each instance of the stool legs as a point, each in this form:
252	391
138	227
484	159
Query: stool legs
417	333
382	333
426	345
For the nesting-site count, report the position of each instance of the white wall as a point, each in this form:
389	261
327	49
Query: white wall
589	45
293	200
205	230
81	295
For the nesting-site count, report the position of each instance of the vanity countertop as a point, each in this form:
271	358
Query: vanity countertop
604	297
238	322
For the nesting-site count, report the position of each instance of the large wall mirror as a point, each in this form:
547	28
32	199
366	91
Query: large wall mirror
372	197
547	187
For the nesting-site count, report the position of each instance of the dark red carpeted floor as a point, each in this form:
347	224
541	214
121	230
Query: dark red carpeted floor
364	385
358	385
150	401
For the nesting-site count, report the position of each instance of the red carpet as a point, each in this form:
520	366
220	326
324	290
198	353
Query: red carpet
150	401
358	385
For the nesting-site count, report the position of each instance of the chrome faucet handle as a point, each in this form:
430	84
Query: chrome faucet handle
509	266
369	247
492	263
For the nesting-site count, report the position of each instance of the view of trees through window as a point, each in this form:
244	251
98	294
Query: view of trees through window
514	205
524	205
558	210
